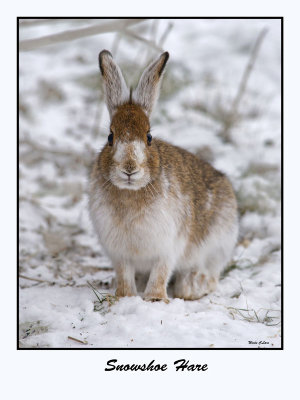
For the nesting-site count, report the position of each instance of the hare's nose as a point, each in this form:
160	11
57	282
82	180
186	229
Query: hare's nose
129	173
129	168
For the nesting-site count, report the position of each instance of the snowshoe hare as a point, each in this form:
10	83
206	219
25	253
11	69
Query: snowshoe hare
157	207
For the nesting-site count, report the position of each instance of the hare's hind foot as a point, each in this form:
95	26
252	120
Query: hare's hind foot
192	285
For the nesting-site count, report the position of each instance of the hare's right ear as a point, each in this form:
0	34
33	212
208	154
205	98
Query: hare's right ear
116	90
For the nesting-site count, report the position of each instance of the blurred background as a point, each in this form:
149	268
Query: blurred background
220	99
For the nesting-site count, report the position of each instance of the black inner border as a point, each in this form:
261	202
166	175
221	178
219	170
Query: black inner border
282	191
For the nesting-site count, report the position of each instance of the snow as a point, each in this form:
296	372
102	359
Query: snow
63	123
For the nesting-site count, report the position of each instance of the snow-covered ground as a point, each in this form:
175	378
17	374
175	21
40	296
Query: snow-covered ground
63	123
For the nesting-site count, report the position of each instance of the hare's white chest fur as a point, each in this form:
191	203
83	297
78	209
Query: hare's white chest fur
157	232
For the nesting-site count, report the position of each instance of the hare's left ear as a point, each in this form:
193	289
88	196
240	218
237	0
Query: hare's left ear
147	90
116	90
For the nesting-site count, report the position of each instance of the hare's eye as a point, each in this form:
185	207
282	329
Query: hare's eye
110	139
149	139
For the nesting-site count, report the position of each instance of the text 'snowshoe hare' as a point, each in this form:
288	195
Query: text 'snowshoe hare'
155	206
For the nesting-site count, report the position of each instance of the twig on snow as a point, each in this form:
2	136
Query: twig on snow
36	280
77	340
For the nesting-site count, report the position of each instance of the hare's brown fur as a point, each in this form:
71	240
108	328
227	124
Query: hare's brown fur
195	177
157	207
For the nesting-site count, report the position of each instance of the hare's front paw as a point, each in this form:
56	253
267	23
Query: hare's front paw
123	291
156	295
156	289
156	298
125	281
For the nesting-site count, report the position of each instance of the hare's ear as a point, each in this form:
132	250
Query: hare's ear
116	90
147	90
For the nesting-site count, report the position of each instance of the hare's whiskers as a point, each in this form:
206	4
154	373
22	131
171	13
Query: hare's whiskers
150	191
106	183
154	188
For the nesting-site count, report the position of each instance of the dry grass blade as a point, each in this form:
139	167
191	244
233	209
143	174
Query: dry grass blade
142	39
251	315
112	26
29	22
95	292
165	35
230	118
48	152
103	298
247	71
77	340
36	280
